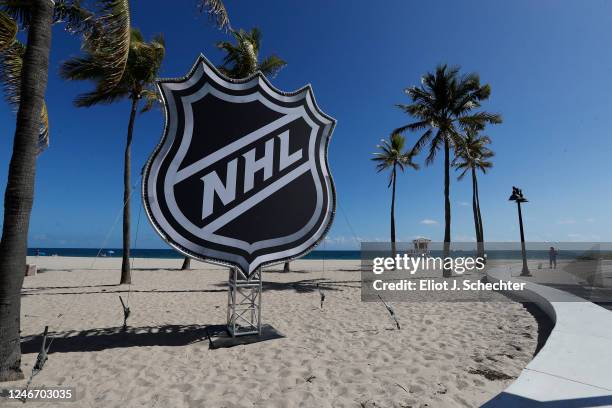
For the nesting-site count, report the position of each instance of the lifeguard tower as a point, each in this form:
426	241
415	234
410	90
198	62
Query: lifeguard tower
421	246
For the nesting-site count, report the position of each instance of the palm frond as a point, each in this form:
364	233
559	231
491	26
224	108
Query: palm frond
216	11
463	173
8	30
110	42
242	56
98	96
433	148
77	19
418	146
480	119
82	68
11	63
474	152
18	10
151	98
142	67
272	65
43	129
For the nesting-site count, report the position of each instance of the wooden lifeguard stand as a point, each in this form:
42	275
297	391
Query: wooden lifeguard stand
421	246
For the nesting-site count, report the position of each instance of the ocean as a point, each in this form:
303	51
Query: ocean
316	254
167	253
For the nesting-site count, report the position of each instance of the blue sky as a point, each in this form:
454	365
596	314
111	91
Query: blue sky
549	64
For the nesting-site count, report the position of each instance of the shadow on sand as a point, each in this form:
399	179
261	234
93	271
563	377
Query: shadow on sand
311	285
115	337
302	286
39	291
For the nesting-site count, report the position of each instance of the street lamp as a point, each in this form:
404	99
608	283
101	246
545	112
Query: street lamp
517	195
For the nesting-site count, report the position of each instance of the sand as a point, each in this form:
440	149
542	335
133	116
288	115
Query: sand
347	354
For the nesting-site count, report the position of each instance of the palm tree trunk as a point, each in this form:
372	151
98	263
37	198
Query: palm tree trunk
475	210
19	194
126	276
186	264
287	267
393	248
447	207
480	227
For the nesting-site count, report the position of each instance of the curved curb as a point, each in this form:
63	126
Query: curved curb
574	368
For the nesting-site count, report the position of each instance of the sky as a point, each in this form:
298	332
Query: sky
549	64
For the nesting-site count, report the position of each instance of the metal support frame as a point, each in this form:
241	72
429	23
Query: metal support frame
244	303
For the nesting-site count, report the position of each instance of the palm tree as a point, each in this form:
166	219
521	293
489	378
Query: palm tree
443	105
474	155
242	58
392	155
24	73
19	194
136	83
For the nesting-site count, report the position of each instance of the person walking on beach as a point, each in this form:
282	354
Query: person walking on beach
552	258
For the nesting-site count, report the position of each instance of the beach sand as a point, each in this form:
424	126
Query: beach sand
347	354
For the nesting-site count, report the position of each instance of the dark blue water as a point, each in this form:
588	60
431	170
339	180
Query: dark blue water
317	254
166	253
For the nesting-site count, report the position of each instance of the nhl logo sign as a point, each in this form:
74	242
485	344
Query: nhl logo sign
240	177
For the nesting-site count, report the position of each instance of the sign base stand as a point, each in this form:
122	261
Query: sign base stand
244	303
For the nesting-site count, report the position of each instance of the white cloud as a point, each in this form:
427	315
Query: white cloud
590	220
428	221
566	221
464	203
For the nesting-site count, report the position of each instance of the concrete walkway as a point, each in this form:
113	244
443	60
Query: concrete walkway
574	368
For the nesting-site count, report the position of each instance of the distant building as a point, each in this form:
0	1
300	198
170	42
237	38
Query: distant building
421	246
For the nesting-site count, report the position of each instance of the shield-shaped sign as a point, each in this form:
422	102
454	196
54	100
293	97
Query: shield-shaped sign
240	177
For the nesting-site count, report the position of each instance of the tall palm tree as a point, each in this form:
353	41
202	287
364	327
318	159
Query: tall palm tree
136	83
242	58
24	73
474	155
19	194
392	156
443	105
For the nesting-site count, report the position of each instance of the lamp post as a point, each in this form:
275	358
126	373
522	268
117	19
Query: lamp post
517	195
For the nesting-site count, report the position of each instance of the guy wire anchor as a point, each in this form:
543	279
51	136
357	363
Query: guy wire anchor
322	294
41	359
391	312
126	313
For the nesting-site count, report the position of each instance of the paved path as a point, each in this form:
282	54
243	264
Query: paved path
574	368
